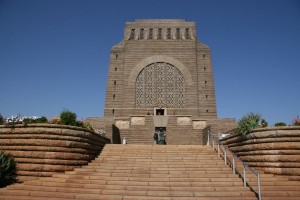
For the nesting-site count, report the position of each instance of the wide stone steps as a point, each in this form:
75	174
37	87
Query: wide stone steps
127	172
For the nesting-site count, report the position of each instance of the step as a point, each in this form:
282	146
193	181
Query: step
144	172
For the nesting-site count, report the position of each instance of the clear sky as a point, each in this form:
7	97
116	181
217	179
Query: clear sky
54	54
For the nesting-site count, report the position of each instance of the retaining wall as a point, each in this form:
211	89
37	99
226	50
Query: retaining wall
43	149
270	150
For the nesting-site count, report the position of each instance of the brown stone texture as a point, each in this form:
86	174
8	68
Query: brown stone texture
271	150
154	172
177	49
43	149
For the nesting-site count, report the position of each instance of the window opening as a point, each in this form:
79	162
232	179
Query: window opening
187	33
150	37
141	34
159	34
132	34
160	112
169	33
177	33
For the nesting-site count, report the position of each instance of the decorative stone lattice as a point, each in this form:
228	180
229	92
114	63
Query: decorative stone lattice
160	84
137	120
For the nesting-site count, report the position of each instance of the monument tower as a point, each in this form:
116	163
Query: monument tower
160	77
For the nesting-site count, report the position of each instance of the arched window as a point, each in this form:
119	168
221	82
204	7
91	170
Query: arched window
160	85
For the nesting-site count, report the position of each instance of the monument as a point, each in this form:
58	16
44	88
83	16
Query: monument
160	77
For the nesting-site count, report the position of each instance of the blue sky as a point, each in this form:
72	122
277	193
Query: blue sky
54	54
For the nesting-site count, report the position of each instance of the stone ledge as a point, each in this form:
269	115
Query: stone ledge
270	150
45	149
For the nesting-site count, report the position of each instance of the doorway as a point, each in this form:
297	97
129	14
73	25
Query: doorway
162	136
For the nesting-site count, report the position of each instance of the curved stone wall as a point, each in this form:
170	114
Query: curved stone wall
270	150
44	149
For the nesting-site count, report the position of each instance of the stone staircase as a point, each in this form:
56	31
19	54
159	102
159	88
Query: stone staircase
170	172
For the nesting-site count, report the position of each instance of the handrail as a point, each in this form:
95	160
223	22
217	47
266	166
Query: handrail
211	139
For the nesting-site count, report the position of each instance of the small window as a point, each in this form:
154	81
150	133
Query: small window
116	69
117	56
187	33
159	34
150	37
204	68
205	82
169	33
113	111
206	96
160	112
114	96
203	56
115	82
141	34
207	111
177	33
132	34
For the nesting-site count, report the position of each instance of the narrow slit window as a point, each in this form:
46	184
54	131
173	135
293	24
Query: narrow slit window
177	33
169	33
141	34
132	34
187	33
159	34
150	37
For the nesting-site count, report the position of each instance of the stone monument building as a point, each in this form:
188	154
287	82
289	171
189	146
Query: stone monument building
161	78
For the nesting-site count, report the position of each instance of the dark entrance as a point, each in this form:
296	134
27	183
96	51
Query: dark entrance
161	131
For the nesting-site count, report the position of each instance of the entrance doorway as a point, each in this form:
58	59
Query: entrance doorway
161	132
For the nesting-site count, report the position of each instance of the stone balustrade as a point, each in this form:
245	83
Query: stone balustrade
43	149
273	150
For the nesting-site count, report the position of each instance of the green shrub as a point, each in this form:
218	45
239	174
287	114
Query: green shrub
7	169
42	119
280	124
247	123
68	118
264	123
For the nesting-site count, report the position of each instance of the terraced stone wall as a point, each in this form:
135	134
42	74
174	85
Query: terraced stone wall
43	149
270	150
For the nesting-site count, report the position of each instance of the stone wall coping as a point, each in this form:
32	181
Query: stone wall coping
45	125
262	130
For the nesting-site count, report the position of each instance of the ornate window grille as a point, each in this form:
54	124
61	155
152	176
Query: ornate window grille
160	85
